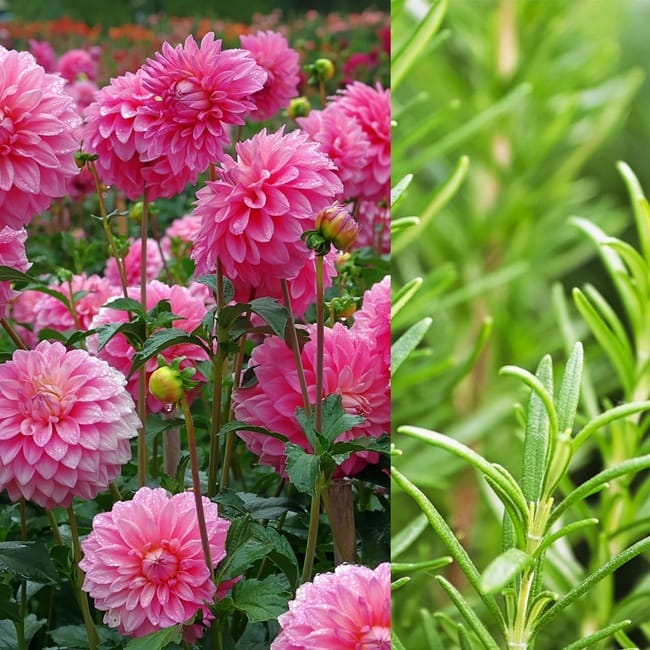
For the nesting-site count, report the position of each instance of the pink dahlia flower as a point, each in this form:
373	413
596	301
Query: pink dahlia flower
144	561
254	216
44	54
75	64
352	369
22	311
344	142
84	92
374	227
132	264
65	425
179	237
195	90
271	51
370	107
109	133
12	253
50	312
347	610
374	316
37	122
119	352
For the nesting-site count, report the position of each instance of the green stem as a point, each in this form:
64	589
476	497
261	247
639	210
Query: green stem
295	345
196	481
320	343
20	624
13	335
142	372
107	229
312	534
77	581
217	393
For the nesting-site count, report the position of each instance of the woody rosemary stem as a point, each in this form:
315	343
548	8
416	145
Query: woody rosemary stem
77	581
196	481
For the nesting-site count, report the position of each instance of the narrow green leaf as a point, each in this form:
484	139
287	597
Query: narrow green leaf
611	415
635	263
504	569
399	189
639	205
567	401
405	344
403	540
463	639
448	538
403	223
395	642
426	565
585	585
157	640
399	583
469	455
563	532
402	297
9	274
592	639
468	614
440	198
403	59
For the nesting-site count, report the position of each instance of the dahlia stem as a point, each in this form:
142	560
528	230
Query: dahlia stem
107	228
13	334
312	534
142	372
320	343
339	507
293	337
196	481
20	624
323	95
80	594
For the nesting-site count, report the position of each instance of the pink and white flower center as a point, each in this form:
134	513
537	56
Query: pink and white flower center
159	565
375	637
47	403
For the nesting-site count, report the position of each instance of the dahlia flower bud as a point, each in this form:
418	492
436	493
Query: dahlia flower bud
334	225
322	69
166	385
298	107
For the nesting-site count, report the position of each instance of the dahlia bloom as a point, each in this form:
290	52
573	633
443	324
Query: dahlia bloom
37	122
50	312
374	316
12	253
182	231
110	134
370	107
77	63
22	310
374	227
132	263
193	91
119	352
65	424
352	369
44	54
84	92
254	216
347	610
144	561
271	51
344	142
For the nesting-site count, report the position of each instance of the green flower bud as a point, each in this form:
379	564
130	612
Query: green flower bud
324	69
166	385
298	107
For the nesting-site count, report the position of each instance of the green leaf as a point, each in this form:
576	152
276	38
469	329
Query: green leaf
504	569
8	605
399	189
609	416
395	642
403	295
468	614
640	206
236	425
403	540
157	640
335	420
405	344
133	330
8	639
426	565
567	401
303	468
591	640
261	600
29	561
275	314
161	340
126	304
9	274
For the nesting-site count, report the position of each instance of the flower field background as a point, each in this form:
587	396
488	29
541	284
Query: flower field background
195	350
520	316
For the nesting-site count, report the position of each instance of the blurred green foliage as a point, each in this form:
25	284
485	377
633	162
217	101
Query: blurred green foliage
542	98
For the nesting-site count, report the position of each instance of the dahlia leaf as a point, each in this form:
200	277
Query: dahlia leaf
134	331
303	468
29	561
275	314
235	425
161	340
261	600
126	304
9	274
157	640
8	604
341	451
335	420
8	639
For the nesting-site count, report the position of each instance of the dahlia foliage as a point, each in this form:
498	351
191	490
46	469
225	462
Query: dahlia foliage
195	357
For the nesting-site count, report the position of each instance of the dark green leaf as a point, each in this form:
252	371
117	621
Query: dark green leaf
134	331
261	600
235	425
274	313
335	420
9	274
157	640
127	304
8	605
8	640
302	468
28	560
161	340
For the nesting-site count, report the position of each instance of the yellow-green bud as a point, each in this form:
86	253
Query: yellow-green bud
298	107
337	226
166	385
324	68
